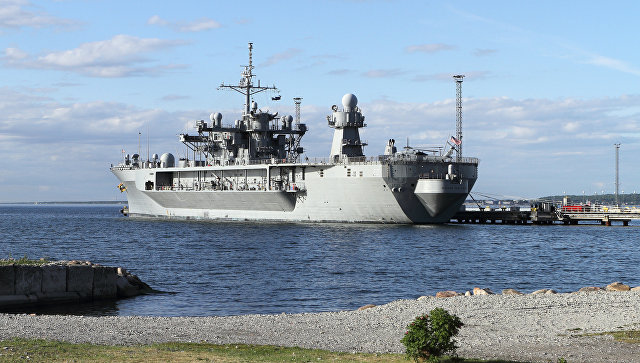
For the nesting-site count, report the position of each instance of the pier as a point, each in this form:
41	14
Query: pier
547	213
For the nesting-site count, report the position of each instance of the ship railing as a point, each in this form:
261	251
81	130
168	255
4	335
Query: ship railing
388	159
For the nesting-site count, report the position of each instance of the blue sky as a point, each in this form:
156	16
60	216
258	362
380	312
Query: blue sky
550	86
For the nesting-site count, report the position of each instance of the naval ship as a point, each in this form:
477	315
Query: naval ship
252	169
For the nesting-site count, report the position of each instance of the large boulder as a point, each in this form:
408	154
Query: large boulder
365	307
511	292
479	291
590	289
617	286
129	285
447	293
544	291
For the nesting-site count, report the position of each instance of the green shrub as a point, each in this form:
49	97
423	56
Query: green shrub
431	336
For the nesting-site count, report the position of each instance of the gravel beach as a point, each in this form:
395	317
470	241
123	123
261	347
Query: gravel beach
539	328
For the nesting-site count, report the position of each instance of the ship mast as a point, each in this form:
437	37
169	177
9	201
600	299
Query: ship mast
246	86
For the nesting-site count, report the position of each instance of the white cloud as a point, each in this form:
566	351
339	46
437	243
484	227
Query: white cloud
571	126
197	25
15	54
120	56
484	52
156	20
383	73
14	14
614	64
282	56
429	48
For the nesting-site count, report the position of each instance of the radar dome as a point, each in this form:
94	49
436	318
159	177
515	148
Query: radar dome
289	118
349	101
167	160
216	116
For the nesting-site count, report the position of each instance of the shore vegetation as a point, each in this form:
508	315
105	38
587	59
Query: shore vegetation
37	350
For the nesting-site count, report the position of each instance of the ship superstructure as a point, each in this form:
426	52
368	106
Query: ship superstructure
252	170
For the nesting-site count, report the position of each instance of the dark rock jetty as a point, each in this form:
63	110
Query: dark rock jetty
65	282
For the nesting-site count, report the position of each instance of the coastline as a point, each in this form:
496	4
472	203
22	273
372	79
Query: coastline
528	328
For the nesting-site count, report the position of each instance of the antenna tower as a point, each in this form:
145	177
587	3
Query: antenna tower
246	86
297	101
617	173
459	78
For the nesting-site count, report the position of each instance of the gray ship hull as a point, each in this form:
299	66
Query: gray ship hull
371	192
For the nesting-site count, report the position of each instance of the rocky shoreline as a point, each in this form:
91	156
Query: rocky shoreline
614	286
532	327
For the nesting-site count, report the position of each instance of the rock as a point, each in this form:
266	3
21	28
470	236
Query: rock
541	291
590	289
479	291
129	285
511	292
368	306
425	297
467	293
448	293
637	288
617	286
551	292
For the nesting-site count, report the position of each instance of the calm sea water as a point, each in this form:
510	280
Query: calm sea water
229	268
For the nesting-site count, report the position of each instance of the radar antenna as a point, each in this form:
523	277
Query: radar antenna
246	86
297	101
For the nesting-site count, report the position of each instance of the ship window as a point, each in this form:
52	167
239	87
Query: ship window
348	172
361	173
321	173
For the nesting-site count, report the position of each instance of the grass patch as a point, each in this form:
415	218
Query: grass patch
37	350
23	261
625	336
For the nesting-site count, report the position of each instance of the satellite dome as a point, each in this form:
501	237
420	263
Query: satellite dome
349	101
216	116
289	118
168	160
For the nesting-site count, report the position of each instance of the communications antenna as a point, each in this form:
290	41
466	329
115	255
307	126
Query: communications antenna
246	86
297	101
617	173
459	78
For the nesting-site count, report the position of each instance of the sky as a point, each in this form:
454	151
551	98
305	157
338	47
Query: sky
549	86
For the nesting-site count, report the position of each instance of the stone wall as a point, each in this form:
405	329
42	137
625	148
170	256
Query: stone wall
65	282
